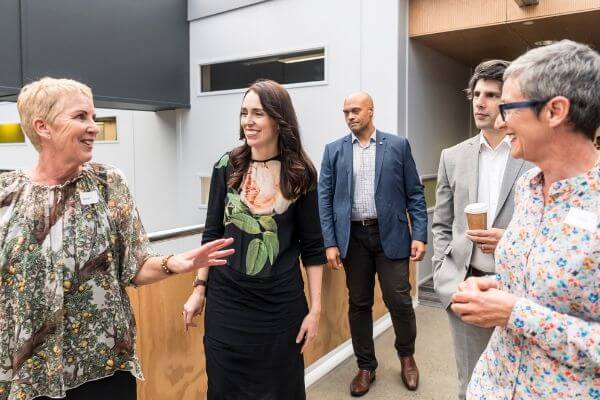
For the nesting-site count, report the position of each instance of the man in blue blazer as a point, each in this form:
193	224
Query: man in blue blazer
367	185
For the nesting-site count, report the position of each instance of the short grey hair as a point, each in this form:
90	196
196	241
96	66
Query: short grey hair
566	69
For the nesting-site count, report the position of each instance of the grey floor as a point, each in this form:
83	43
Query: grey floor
433	354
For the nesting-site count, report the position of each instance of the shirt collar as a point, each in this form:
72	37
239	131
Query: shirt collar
371	139
484	144
589	180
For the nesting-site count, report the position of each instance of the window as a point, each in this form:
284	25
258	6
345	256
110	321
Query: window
297	67
11	133
107	129
204	189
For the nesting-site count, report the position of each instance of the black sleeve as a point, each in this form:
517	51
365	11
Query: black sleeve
308	230
214	227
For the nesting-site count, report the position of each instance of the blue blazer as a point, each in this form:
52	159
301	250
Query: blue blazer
398	188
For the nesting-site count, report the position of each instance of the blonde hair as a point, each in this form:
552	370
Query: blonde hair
45	99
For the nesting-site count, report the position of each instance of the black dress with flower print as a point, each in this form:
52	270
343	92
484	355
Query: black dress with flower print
257	299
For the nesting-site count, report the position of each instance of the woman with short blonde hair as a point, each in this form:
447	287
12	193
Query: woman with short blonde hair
71	241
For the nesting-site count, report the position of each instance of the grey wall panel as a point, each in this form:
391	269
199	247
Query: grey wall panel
204	8
130	52
10	47
438	112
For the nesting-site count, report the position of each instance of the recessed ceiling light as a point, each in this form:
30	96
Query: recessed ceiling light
544	42
528	23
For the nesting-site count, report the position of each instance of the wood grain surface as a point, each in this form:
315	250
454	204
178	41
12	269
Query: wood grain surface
547	8
428	17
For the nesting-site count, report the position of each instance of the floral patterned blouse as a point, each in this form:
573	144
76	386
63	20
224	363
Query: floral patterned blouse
67	252
550	257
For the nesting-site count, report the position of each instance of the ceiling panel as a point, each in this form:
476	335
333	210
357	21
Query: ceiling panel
507	41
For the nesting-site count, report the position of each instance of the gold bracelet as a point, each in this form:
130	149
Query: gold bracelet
163	264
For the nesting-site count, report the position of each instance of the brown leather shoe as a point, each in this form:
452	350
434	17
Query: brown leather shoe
361	382
410	372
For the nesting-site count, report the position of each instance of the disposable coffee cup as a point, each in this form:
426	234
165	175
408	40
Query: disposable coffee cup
477	215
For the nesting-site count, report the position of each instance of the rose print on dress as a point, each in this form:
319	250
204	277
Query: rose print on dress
260	189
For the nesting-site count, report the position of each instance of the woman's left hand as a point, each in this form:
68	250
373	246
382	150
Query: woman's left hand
207	255
308	330
486	308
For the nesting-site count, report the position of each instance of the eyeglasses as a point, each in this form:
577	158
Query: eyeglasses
519	104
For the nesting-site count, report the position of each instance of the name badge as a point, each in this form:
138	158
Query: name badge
89	197
582	219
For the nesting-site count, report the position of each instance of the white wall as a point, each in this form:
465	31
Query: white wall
438	113
361	41
204	8
146	152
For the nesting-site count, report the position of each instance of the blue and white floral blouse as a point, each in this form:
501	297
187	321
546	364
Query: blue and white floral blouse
550	257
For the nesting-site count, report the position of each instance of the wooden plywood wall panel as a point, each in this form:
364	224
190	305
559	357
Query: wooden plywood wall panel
547	8
173	359
472	46
581	27
431	16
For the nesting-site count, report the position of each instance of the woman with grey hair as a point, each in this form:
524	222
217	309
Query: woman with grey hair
71	241
545	304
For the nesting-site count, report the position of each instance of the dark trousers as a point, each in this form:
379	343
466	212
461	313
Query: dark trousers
120	386
365	257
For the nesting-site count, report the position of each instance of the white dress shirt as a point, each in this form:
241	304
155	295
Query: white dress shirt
492	164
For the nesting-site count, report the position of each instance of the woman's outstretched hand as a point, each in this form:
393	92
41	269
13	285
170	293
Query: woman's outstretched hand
207	255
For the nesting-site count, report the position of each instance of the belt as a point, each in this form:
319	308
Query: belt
366	222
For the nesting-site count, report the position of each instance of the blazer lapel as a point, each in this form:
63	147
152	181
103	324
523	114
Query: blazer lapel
473	169
347	155
381	146
511	173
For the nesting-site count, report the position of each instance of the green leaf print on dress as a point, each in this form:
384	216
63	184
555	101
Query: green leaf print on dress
256	257
272	242
252	209
223	161
260	249
268	223
245	222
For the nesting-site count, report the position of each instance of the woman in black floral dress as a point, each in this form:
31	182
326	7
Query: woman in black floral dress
263	194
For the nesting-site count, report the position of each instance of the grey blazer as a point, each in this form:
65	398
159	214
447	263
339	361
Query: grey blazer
456	187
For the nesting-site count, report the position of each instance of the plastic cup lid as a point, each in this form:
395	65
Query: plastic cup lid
476	208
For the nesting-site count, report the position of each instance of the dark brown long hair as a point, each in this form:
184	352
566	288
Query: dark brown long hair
298	174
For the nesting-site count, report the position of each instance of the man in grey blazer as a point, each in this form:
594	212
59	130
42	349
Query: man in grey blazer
478	170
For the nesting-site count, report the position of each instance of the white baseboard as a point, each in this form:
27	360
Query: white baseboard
335	357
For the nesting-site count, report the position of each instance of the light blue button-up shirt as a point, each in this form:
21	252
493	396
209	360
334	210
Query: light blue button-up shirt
363	179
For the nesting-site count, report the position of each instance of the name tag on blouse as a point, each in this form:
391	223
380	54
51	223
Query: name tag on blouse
89	197
582	219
